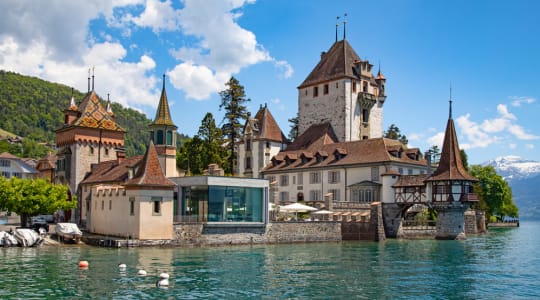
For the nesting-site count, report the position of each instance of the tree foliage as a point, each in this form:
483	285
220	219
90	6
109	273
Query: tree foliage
33	109
31	197
495	195
233	100
203	149
394	133
293	132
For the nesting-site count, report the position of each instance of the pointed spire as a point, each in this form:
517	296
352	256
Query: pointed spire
380	76
337	25
89	80
163	115
345	26
72	104
93	68
109	109
450	110
149	172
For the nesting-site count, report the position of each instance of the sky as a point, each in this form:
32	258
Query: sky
484	54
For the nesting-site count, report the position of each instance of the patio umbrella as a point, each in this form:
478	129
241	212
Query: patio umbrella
296	208
322	212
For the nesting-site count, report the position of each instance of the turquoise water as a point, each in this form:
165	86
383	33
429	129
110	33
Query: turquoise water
503	264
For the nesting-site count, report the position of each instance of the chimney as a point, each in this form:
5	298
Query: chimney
120	155
428	159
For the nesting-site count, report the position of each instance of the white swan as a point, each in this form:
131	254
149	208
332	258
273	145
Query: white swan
163	280
122	267
141	273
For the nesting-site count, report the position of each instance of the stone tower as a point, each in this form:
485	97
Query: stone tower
89	135
342	90
451	187
261	140
163	135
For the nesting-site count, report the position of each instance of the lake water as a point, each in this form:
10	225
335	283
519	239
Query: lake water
502	264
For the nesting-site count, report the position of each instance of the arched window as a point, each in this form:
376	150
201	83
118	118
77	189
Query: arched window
169	137
159	137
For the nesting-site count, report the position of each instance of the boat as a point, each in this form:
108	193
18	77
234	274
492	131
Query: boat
68	232
7	240
27	237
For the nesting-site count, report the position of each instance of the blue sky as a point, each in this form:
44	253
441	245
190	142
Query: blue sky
488	51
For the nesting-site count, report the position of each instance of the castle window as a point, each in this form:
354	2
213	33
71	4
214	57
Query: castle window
315	195
337	84
248	162
314	177
248	144
110	204
169	137
131	206
325	91
284	180
315	91
91	150
102	204
300	178
305	92
106	151
156	206
354	86
374	174
333	176
365	87
159	137
284	196
365	115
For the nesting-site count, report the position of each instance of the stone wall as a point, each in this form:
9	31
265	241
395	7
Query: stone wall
294	232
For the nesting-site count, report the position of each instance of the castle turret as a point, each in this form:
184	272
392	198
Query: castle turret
163	135
451	187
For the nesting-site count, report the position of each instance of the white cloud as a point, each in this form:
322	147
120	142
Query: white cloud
436	140
222	49
158	16
518	100
503	111
529	146
520	133
415	137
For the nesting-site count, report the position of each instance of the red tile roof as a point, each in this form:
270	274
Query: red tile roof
352	153
149	172
93	115
337	63
264	126
314	137
111	171
410	180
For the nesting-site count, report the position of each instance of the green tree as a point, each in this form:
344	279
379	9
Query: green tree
293	132
212	141
190	158
464	158
31	197
233	99
394	133
495	195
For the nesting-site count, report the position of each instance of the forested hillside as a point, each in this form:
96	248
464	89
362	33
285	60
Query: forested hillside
33	109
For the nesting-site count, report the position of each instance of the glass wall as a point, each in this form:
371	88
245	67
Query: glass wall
222	204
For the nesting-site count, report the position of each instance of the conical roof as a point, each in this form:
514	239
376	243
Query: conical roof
338	62
450	164
163	114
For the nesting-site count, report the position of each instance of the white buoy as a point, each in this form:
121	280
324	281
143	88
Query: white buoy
163	280
141	273
122	267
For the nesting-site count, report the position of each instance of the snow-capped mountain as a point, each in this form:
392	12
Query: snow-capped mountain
514	167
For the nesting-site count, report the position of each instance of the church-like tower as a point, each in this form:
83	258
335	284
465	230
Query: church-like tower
342	90
163	135
89	135
451	187
261	140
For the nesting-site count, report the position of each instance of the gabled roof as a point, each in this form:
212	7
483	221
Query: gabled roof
367	151
450	164
163	114
47	163
316	136
94	115
337	63
149	172
8	155
264	126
